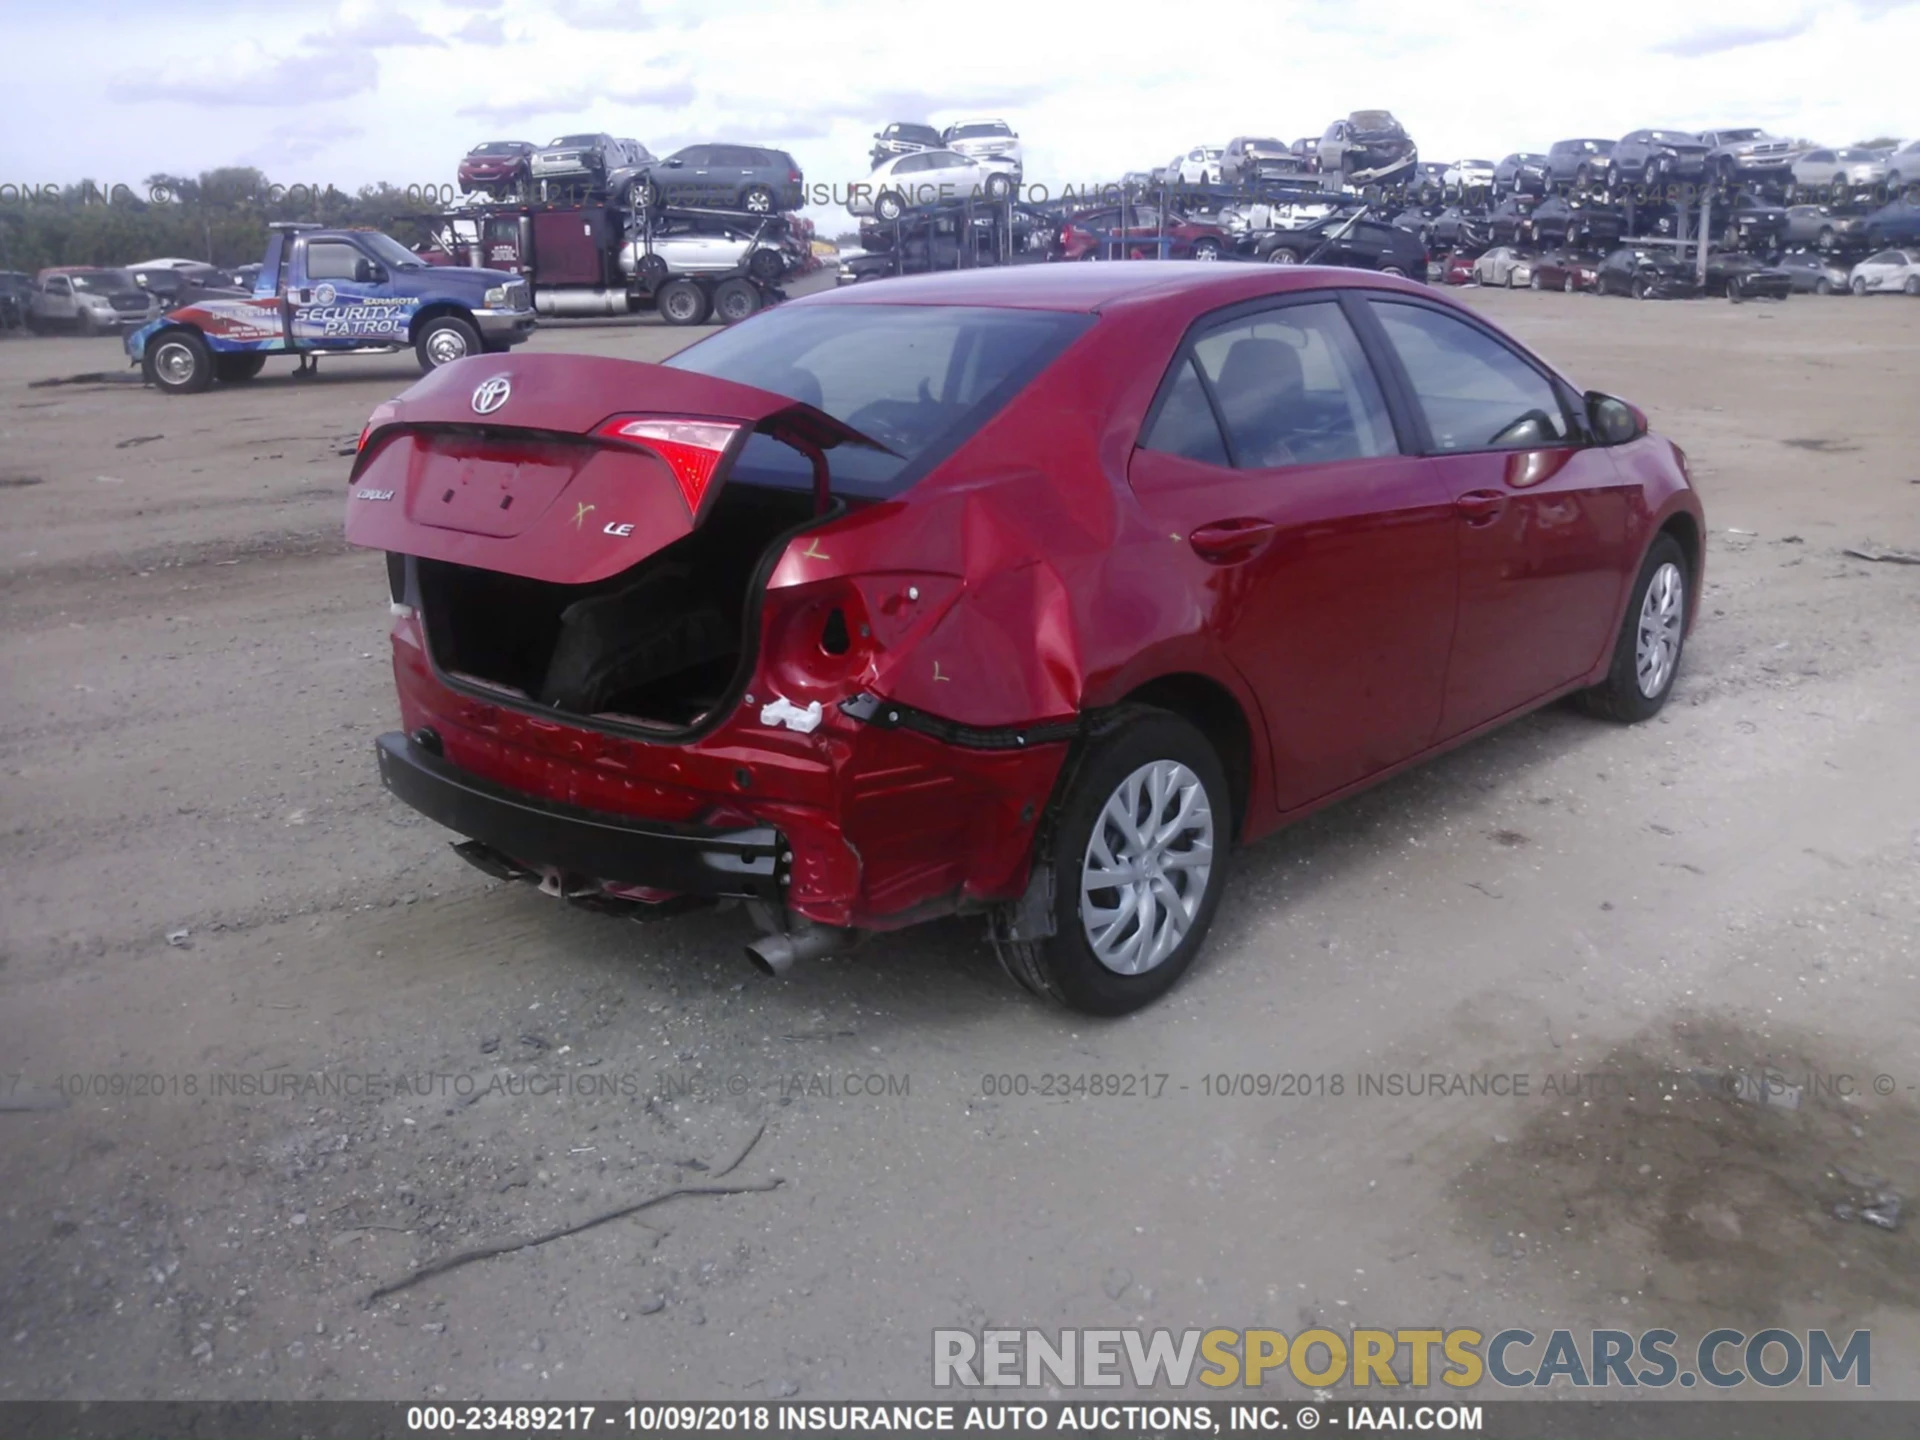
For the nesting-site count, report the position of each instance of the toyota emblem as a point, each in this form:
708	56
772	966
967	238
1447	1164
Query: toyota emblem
491	395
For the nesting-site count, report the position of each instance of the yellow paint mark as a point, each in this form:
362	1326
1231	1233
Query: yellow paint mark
936	672
580	511
814	552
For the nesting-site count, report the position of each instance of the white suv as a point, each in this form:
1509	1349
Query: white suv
988	141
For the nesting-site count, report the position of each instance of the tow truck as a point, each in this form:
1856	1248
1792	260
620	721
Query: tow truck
333	292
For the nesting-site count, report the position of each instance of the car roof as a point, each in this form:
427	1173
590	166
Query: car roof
1088	288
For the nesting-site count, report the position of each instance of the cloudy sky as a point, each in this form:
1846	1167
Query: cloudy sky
348	91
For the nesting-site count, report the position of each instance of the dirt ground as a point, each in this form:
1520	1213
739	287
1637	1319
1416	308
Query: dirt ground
266	1045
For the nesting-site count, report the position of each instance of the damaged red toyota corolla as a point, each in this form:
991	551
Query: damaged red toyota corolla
1023	592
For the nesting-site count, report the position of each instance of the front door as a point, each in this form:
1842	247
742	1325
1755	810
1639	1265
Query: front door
338	298
1322	556
1542	517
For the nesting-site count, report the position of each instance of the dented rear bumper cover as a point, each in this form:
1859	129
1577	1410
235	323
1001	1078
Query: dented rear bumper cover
689	859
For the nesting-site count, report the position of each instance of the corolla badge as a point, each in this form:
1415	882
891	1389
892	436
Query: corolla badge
490	395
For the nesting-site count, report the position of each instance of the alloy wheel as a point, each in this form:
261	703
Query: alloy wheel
1145	873
1657	638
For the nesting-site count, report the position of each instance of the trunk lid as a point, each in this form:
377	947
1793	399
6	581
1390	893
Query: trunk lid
563	468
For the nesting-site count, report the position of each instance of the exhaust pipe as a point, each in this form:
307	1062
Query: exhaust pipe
777	954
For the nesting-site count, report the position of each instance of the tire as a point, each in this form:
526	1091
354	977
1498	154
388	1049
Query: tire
178	363
84	323
1537	281
1822	286
1641	290
1206	249
1568	285
1734	297
1859	286
1641	675
443	340
237	366
757	200
1912	287
999	187
766	266
1115	777
1393	270
889	207
734	300
681	302
1824	240
1283	255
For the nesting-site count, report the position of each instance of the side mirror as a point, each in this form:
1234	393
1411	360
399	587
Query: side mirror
675	164
1613	422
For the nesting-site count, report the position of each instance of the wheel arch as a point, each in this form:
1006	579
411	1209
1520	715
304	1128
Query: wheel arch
427	314
1218	714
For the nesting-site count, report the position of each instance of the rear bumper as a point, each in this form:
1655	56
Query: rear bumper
687	859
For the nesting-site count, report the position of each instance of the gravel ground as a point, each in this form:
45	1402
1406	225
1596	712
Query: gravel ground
266	1045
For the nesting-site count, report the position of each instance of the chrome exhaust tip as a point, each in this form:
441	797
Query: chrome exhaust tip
777	954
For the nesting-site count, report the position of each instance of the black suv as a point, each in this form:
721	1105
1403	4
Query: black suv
1581	163
903	137
1653	157
723	177
1352	239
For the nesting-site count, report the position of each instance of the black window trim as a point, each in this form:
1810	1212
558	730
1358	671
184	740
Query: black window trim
1203	325
1401	392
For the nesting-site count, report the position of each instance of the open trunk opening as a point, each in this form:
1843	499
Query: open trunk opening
661	644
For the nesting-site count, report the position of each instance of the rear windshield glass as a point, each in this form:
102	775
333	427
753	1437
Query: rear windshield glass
917	378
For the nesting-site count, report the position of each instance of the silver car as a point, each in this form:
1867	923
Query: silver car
1748	151
988	141
1823	169
929	177
576	157
1903	166
90	302
686	252
1503	265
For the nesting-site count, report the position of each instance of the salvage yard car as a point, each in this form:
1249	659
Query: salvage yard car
928	177
1646	273
333	292
1887	272
749	178
1025	592
88	301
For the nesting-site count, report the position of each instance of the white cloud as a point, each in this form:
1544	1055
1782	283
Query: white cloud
246	74
483	30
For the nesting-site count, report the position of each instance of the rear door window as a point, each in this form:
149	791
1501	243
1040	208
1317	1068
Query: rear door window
1475	392
1290	385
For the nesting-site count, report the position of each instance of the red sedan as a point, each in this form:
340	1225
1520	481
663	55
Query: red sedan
1560	271
1459	269
1023	592
1135	235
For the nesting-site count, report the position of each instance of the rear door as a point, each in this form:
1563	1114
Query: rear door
1542	518
1322	556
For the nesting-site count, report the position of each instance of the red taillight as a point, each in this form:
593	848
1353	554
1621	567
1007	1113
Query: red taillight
692	449
361	443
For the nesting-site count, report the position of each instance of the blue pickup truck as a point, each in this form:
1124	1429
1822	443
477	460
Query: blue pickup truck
333	292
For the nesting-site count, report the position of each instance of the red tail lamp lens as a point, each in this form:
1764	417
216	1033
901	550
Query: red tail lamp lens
692	449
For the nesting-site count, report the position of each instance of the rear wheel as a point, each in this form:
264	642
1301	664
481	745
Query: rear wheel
443	340
1206	249
1393	270
1537	281
179	363
889	206
766	265
681	302
1859	285
1568	285
734	300
1646	654
1139	854
1283	255
240	365
757	200
1912	287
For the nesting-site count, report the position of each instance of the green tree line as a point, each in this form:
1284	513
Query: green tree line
220	216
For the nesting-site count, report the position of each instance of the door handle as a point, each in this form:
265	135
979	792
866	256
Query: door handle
1480	507
1229	542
